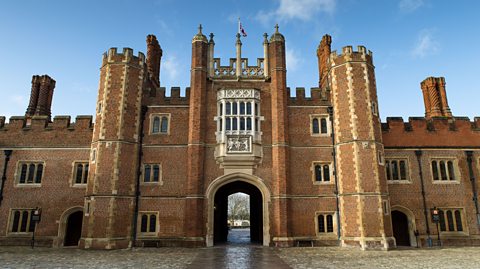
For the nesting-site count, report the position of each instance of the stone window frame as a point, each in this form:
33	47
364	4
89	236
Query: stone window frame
139	224
160	174
18	173
408	170
93	155
463	219
160	116
11	219
374	107
73	179
334	220
446	159
386	207
381	157
319	117
330	168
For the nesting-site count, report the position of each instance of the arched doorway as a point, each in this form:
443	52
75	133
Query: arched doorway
401	230
259	209
73	229
220	225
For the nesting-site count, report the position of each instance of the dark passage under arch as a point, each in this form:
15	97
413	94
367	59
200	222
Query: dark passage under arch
73	231
400	228
220	226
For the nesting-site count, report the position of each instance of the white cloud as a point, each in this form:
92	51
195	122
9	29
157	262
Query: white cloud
170	66
426	44
18	100
410	5
303	10
293	59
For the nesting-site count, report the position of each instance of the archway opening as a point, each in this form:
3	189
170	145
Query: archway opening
222	229
73	230
401	230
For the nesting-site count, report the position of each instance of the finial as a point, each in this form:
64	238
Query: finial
200	36
211	37
276	28
200	29
277	36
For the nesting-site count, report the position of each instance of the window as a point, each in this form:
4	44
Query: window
319	125
374	109
148	222
321	172
20	221
30	172
397	170
443	170
451	220
94	155
151	173
80	173
238	116
325	223
159	123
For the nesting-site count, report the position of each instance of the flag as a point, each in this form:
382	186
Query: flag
241	30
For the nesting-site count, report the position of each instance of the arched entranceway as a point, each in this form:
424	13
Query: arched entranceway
73	229
220	225
401	230
259	206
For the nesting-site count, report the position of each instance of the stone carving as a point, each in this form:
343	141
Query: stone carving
239	144
238	94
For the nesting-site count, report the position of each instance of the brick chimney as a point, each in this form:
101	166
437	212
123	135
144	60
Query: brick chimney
41	96
323	52
435	97
154	55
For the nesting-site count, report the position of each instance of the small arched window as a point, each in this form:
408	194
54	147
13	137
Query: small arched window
144	224
451	225
451	171
441	215
78	176
242	123
156	125
435	170
326	172
156	173
329	224
146	174
249	124
23	174
164	125
153	223
321	224
23	227
249	108
228	108
323	125
318	173
315	127
16	221
443	170
31	173
38	176
403	170
242	108
458	221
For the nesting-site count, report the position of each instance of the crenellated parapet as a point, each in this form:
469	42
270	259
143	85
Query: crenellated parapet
39	131
350	55
317	97
112	56
433	132
159	96
230	71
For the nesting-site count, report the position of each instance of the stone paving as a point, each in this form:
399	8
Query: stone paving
240	256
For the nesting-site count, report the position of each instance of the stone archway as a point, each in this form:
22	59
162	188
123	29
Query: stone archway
70	227
246	183
403	224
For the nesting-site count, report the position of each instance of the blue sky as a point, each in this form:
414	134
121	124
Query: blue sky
410	40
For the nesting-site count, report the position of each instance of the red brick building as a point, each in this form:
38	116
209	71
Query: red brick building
156	170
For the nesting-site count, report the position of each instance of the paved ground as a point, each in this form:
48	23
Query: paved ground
239	255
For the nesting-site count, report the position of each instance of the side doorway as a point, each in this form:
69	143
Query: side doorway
73	229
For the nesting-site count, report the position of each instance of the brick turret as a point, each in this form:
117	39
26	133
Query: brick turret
154	56
279	98
364	201
435	97
110	193
41	96
194	228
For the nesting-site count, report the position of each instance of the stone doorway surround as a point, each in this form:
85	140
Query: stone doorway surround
216	184
411	222
62	225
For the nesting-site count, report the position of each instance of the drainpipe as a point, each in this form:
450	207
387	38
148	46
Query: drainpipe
139	174
7	153
418	153
469	154
337	202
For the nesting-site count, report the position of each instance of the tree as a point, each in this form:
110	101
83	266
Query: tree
238	207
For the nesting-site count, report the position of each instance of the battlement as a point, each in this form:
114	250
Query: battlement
112	56
159	97
42	123
350	55
38	131
437	132
317	97
229	71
